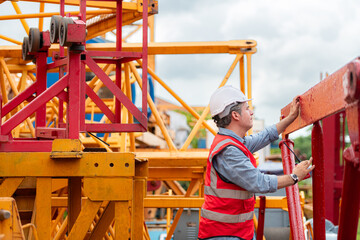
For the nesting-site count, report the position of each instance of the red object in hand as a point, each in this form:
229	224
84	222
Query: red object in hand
307	175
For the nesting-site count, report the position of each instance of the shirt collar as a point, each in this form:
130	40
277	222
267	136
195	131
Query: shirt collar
228	132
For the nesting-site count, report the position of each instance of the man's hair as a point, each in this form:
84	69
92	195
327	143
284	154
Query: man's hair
225	121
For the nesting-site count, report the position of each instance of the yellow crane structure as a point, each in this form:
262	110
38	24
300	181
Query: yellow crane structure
65	192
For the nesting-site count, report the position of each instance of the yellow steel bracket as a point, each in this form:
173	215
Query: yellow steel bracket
118	188
152	6
108	188
278	202
10	225
243	46
66	148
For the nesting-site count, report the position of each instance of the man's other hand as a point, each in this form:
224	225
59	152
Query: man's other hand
303	168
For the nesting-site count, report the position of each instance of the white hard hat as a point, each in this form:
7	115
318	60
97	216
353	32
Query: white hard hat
223	99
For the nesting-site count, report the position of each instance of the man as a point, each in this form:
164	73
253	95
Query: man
231	176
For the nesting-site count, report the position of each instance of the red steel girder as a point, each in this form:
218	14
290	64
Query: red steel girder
337	92
115	89
350	204
292	192
34	105
333	139
261	222
26	145
318	182
322	100
350	200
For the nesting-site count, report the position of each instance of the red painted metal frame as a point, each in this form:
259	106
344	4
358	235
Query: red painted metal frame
338	92
333	140
40	120
28	145
82	95
51	133
16	101
144	58
29	109
261	218
115	55
350	200
114	127
322	100
350	203
58	63
96	99
115	89
318	182
118	65
74	88
292	192
38	95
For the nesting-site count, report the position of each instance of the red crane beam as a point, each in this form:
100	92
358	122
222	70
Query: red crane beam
318	182
322	100
340	91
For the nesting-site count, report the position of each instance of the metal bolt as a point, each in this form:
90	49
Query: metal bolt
4	214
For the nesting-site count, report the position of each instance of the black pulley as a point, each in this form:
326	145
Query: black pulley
63	29
34	40
25	49
54	28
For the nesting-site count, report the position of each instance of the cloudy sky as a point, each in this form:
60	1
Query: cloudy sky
297	41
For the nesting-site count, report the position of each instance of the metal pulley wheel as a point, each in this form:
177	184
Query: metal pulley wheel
54	28
25	49
34	40
63	29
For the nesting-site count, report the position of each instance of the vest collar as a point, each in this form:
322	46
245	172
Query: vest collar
228	132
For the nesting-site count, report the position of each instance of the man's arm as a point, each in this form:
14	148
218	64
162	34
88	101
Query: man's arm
301	170
294	112
259	140
233	165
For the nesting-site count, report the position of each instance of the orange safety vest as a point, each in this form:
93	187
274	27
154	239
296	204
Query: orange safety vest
228	209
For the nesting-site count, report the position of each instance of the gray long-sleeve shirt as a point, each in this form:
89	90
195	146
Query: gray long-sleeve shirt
234	166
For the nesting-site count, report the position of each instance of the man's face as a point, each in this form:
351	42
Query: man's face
246	116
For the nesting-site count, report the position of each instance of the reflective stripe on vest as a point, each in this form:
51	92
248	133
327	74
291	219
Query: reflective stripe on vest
228	193
219	145
226	218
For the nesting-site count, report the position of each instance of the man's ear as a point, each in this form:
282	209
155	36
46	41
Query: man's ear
235	115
